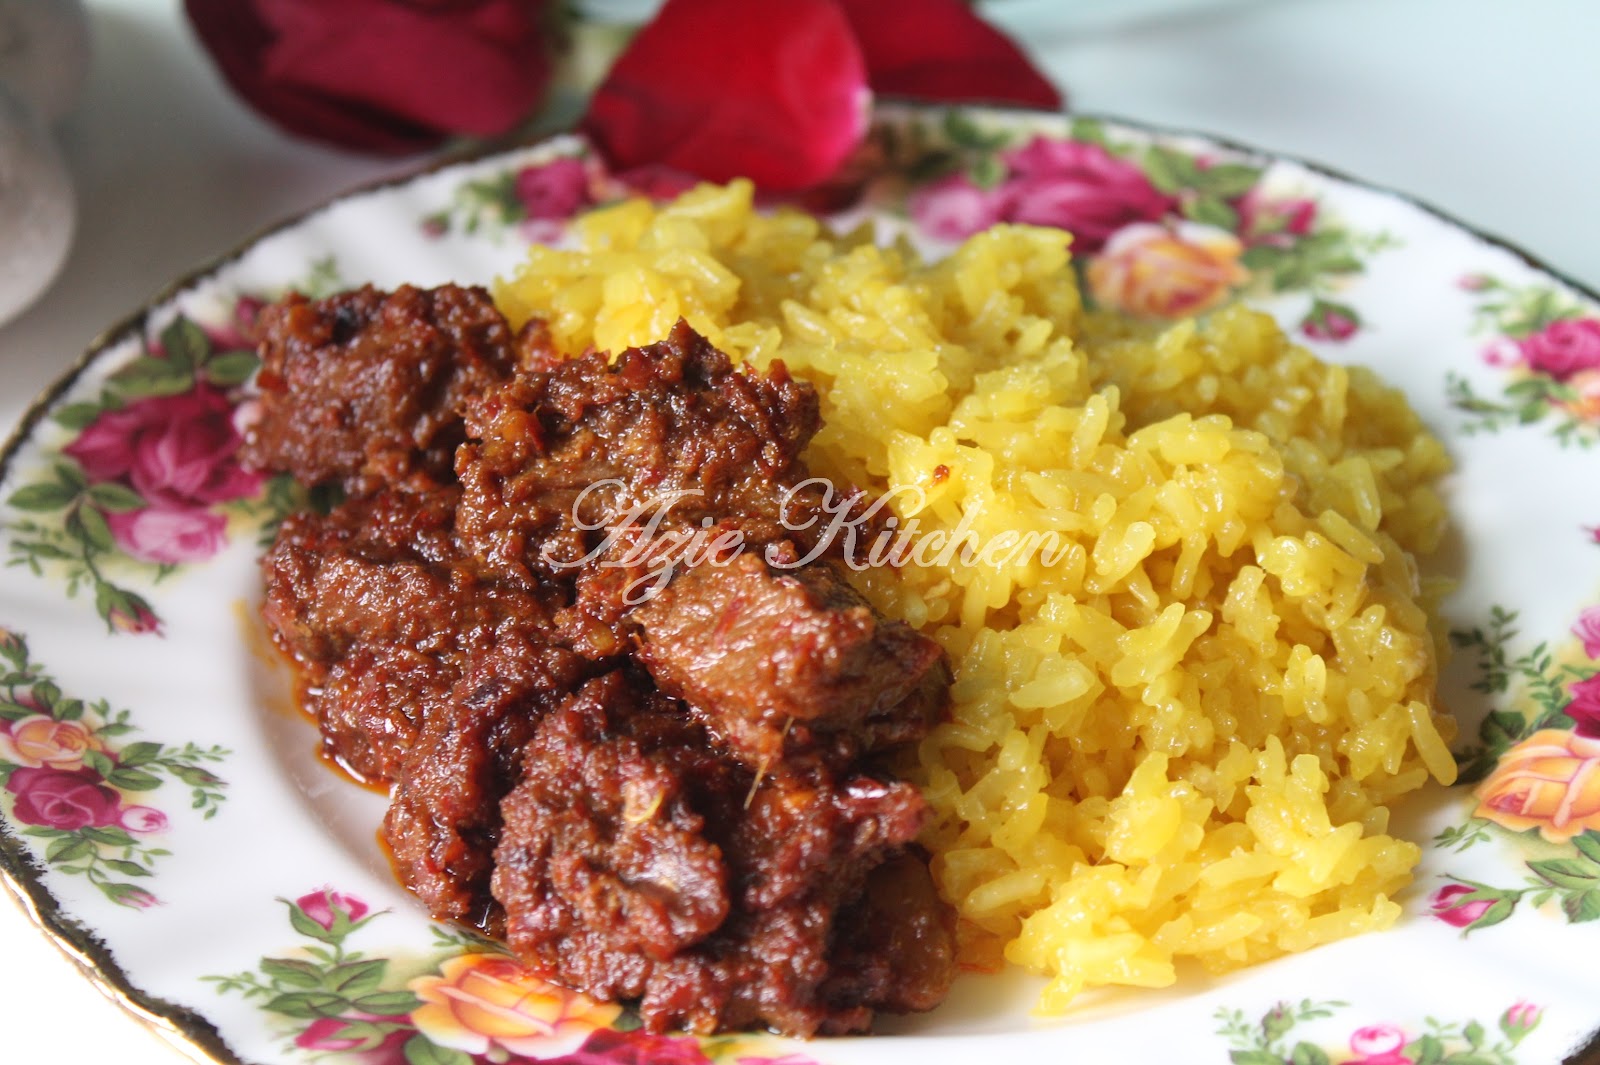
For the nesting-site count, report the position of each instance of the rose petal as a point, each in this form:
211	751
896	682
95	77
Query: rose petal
237	39
940	50
468	68
776	92
380	75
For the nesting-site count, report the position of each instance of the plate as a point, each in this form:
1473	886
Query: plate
165	815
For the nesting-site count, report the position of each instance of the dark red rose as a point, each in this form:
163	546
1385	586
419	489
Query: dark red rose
389	76
609	1047
176	451
941	50
58	799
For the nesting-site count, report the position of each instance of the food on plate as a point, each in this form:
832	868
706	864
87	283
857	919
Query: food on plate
387	407
845	682
677	798
1178	725
751	598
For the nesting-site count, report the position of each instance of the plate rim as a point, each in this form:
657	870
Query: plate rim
185	1029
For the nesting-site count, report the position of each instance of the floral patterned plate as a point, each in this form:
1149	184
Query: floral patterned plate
163	810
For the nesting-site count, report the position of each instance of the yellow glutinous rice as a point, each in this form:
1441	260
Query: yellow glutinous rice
1177	733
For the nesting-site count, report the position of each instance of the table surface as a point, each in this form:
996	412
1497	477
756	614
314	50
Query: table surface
1488	110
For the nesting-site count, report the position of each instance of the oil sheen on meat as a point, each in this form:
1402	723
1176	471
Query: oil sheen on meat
660	780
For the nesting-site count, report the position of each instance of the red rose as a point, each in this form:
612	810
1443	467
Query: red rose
1563	347
381	75
940	50
779	92
1078	186
176	451
57	799
776	92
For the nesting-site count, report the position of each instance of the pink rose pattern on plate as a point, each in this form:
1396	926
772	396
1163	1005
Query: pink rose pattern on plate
150	472
1535	771
1271	1040
1070	184
470	1003
1162	232
78	790
539	199
1157	231
150	479
1548	345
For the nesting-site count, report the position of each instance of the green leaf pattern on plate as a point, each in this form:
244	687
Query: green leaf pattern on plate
82	793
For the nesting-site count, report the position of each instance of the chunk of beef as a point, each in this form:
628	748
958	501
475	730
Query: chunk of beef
379	619
364	388
896	944
330	585
355	601
637	862
444	813
787	661
372	704
730	861
558	460
605	837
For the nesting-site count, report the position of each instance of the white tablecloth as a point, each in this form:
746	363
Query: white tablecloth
1486	109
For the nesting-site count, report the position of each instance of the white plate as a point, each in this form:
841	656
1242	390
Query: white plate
165	813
